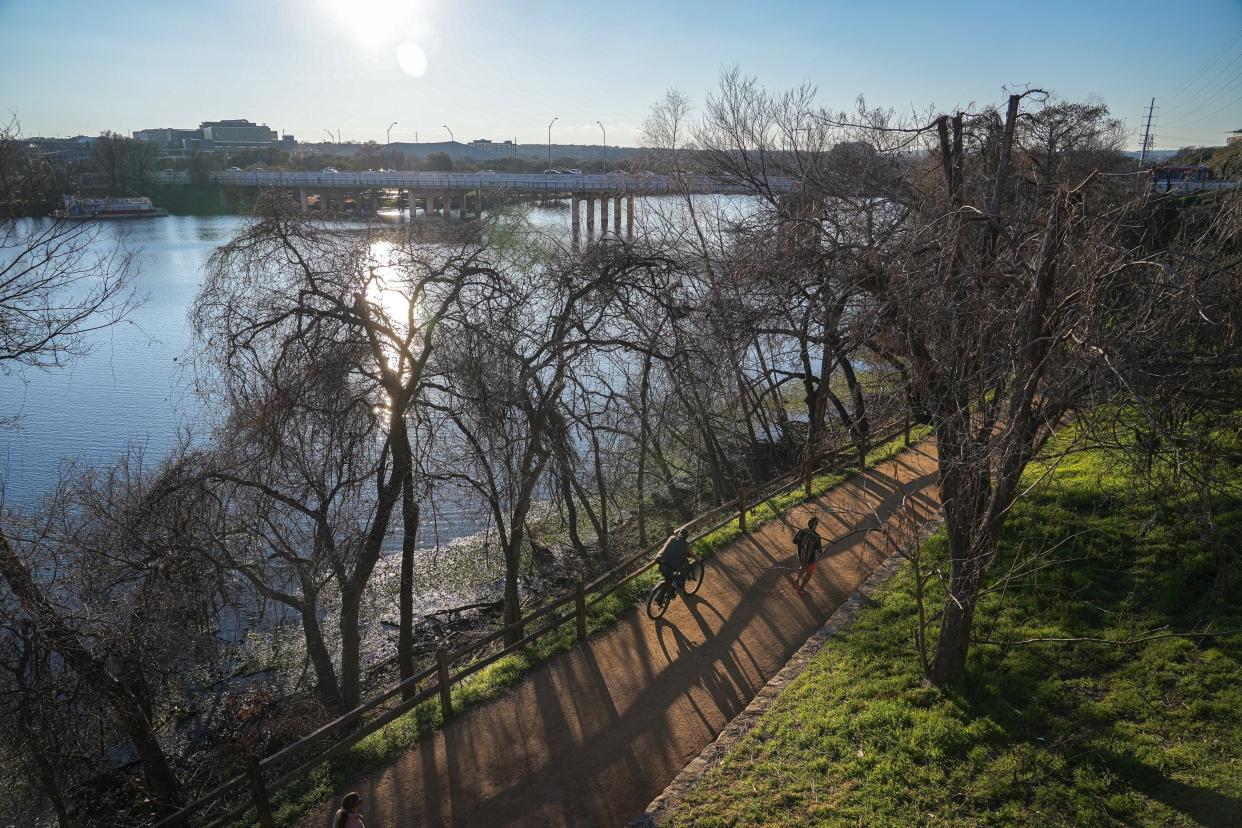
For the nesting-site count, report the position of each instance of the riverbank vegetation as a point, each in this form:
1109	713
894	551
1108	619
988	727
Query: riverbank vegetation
990	275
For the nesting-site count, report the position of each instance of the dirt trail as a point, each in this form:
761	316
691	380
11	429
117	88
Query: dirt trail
592	736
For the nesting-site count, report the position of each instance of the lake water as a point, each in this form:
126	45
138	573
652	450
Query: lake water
131	388
134	388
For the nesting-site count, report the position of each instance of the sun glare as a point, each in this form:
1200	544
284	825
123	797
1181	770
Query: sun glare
412	59
374	22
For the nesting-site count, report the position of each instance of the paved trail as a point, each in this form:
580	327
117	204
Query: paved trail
591	737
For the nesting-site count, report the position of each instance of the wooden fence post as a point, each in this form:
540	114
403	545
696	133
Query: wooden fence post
580	610
262	805
741	507
446	691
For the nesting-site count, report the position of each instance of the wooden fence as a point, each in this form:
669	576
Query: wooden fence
255	784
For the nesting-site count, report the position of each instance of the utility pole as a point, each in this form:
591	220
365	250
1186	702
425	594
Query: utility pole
1147	135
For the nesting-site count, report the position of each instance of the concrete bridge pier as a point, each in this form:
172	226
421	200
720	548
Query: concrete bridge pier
629	216
461	206
478	203
302	204
603	216
573	218
446	206
616	214
590	216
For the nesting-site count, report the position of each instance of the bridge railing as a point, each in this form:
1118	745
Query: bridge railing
225	803
1164	185
438	182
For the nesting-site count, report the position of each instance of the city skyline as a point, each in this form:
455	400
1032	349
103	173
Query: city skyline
498	71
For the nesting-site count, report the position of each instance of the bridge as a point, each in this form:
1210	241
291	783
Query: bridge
1188	185
470	192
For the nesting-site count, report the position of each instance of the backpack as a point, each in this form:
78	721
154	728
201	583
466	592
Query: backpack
807	543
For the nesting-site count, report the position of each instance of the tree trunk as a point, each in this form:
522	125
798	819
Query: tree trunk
601	486
161	782
317	651
860	426
405	600
954	640
351	646
513	606
47	781
571	513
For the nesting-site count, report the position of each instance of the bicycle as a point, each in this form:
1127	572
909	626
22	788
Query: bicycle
662	594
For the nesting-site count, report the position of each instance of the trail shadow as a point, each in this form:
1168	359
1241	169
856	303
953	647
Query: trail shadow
592	735
1205	806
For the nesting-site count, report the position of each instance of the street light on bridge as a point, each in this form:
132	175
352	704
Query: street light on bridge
550	123
388	134
450	132
601	129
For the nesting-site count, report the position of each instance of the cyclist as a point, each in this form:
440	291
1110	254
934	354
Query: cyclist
674	558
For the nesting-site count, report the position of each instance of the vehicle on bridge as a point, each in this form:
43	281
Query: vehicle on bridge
1196	172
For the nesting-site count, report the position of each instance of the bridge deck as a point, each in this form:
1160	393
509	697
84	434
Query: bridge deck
442	182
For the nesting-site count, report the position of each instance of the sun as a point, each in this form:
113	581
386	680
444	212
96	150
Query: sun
374	23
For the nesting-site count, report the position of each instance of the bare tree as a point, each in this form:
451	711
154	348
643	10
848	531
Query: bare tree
318	334
59	282
991	256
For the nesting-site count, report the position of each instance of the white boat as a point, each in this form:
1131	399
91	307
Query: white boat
90	208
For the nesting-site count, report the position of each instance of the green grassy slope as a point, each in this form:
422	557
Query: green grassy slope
1148	733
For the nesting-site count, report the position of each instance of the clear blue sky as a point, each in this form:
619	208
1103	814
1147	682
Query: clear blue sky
504	68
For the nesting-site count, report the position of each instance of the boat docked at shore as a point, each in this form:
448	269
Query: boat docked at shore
108	208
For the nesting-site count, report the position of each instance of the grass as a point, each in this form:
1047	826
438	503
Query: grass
1148	733
382	747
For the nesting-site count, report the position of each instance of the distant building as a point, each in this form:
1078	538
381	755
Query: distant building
506	149
236	134
65	150
1235	136
213	136
170	139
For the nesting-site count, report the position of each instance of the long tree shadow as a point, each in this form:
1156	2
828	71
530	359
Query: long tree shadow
1204	805
577	739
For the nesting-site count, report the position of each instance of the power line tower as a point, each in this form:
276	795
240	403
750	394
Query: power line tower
1147	139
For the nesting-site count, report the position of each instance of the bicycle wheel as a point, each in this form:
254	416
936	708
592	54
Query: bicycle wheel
659	599
694	577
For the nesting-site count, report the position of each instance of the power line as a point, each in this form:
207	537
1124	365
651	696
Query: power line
1215	112
1189	103
1207	65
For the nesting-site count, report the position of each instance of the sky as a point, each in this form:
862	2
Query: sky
504	68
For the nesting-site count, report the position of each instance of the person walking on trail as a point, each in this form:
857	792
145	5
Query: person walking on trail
348	816
674	557
810	545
